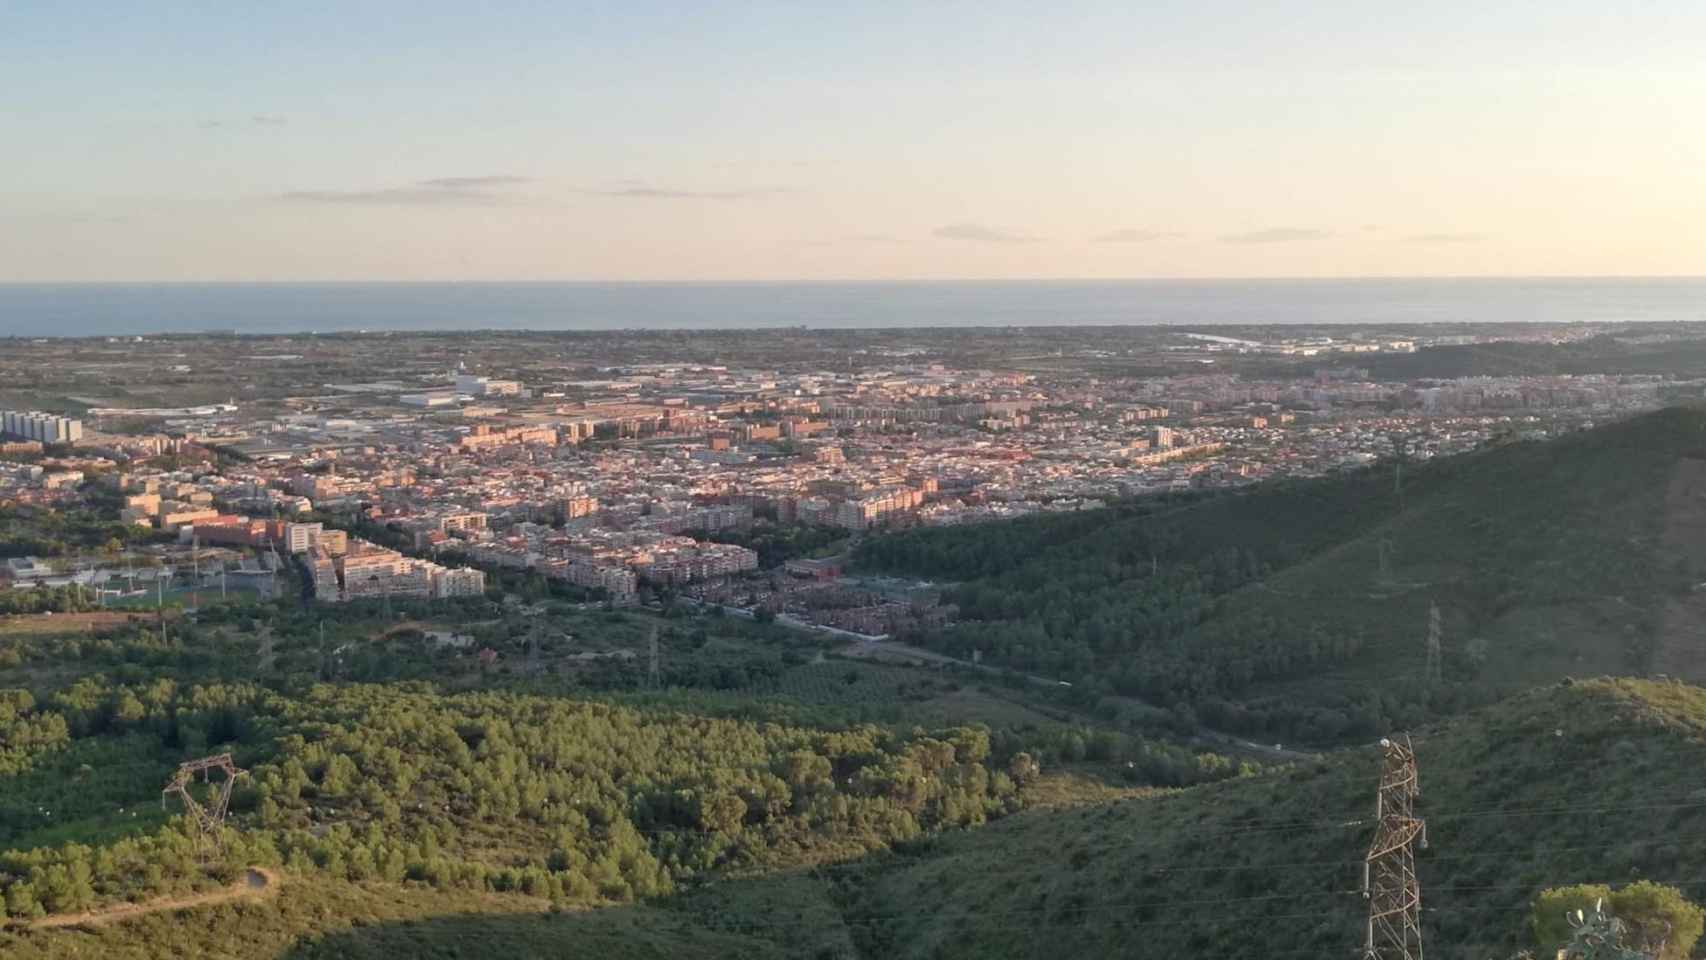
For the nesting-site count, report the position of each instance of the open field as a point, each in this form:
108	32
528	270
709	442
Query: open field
36	624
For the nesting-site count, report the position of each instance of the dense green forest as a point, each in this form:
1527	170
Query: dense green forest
570	801
94	528
708	664
534	757
1301	609
68	599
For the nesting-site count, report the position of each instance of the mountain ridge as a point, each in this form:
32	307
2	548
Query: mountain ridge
1302	609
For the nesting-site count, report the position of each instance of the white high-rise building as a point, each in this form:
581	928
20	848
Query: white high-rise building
45	427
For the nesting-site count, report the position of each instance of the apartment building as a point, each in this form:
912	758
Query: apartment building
858	514
706	561
174	514
486	437
41	427
460	582
618	581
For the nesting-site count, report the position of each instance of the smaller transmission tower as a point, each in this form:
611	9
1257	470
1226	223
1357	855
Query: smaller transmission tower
653	672
1389	880
209	818
1436	667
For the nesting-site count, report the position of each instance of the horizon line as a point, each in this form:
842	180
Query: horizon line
863	281
384	331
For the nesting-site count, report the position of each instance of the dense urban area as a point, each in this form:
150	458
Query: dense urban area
820	642
704	471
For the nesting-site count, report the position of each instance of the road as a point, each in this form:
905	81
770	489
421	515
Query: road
875	648
790	621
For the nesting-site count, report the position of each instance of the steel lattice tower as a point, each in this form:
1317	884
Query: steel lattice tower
210	818
1389	872
1436	667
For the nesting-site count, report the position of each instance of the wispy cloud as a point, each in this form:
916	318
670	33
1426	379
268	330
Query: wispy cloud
256	120
977	233
645	192
438	192
1438	238
750	163
71	218
1135	236
855	239
402	197
1276	235
474	183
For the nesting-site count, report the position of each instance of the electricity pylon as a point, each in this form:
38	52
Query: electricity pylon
207	819
653	672
1389	872
1436	666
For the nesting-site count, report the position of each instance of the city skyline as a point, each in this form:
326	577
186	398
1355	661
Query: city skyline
778	143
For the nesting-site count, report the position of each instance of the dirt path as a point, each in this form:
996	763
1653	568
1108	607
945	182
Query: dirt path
255	884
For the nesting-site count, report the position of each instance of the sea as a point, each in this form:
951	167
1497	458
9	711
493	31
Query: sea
127	309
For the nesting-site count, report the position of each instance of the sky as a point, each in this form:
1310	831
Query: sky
646	141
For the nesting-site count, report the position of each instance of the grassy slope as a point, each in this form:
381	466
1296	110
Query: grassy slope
1267	868
792	913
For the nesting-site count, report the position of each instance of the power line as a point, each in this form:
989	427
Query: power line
1293	868
1300	827
1128	905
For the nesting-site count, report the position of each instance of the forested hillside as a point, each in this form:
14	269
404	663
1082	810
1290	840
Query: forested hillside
1589	783
415	775
574	802
1302	609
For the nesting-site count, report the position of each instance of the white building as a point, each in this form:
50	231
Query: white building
298	537
460	582
45	427
486	387
427	400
